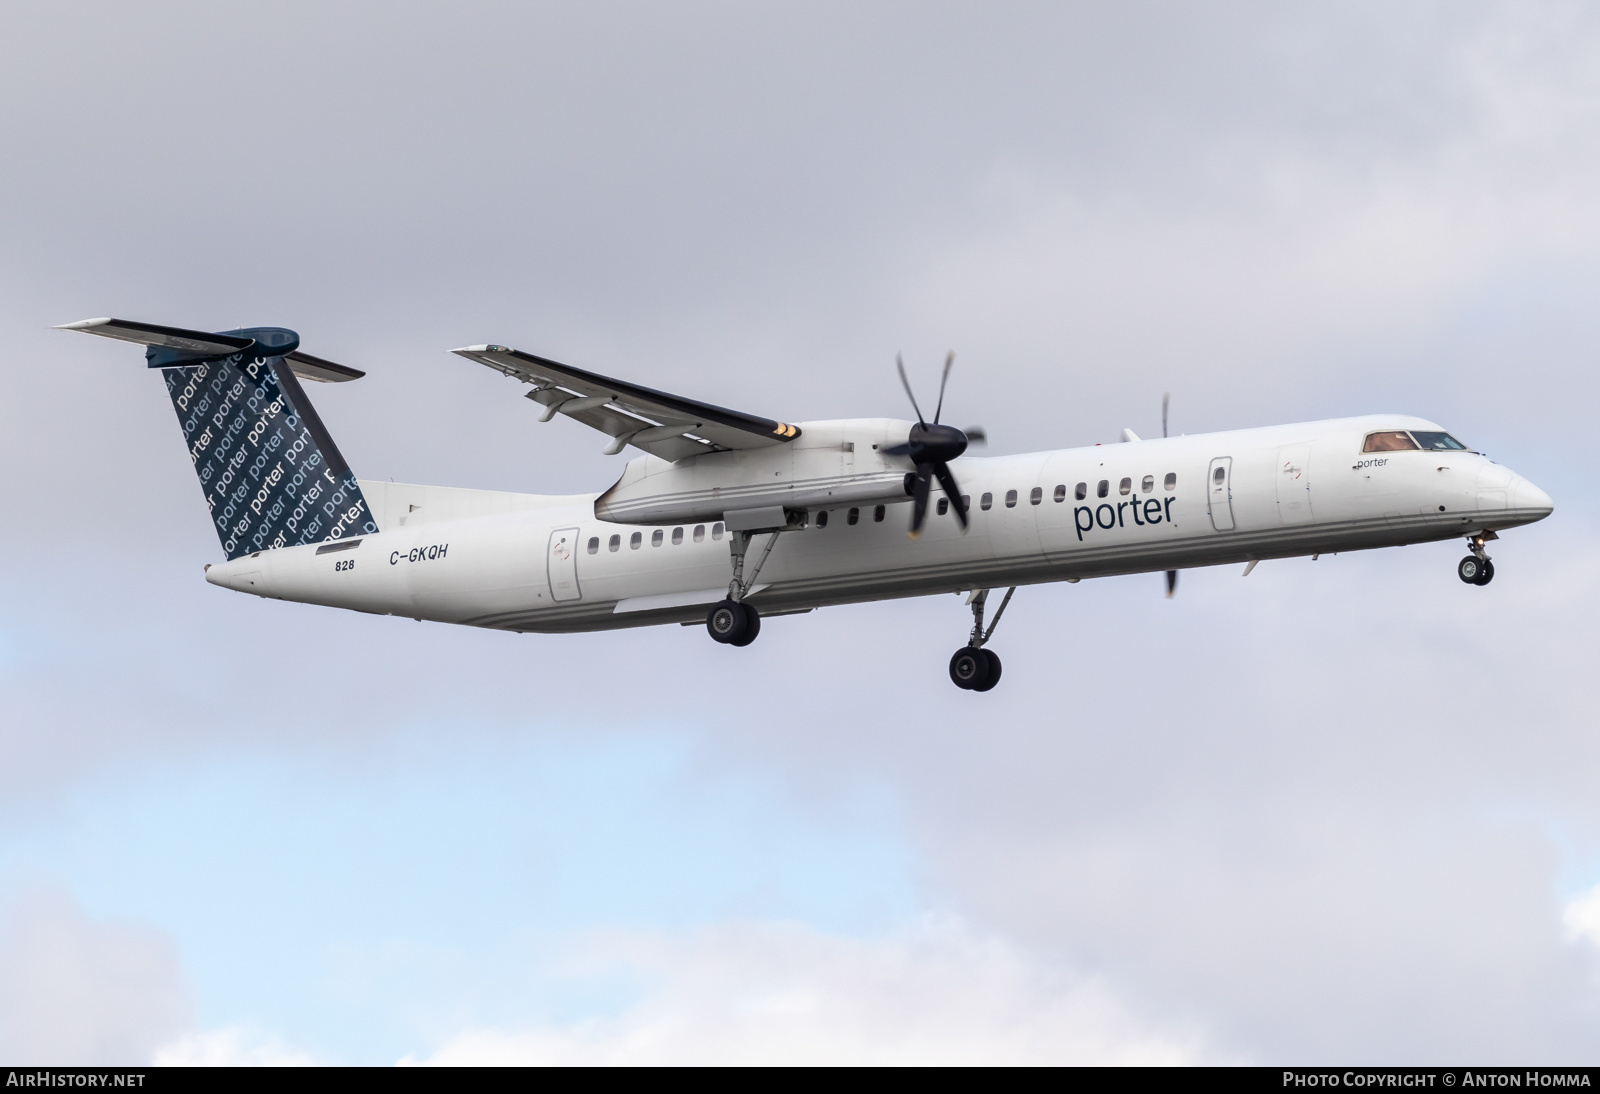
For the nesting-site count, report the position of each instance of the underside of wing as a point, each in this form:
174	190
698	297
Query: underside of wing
664	425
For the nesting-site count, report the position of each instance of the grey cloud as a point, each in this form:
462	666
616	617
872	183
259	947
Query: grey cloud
74	990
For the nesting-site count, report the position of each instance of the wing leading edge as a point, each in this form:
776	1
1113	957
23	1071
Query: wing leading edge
668	426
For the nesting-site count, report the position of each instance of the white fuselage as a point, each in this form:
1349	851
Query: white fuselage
537	563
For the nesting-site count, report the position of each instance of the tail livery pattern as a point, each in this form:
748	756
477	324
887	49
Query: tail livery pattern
271	475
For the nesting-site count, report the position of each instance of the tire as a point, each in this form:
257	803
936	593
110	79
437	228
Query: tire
752	626
727	623
1487	575
992	676
1470	569
969	669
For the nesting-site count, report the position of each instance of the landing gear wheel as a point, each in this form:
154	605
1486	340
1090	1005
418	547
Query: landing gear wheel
752	626
992	676
974	669
1487	574
968	668
1471	570
729	624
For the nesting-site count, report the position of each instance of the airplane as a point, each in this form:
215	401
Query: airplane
727	518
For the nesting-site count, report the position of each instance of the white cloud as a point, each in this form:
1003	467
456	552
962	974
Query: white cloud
77	991
745	994
1581	917
231	1047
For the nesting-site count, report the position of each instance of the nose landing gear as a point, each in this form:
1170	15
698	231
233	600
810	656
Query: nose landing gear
1477	568
972	667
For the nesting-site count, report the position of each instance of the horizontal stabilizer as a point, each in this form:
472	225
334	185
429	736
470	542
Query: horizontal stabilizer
308	367
188	346
148	334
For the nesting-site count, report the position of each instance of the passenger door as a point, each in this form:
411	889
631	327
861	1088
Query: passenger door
1294	484
562	565
1219	493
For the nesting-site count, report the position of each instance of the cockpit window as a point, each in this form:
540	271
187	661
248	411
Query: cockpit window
1398	441
1438	442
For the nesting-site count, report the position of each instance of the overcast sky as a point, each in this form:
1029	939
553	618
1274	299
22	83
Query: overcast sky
1341	811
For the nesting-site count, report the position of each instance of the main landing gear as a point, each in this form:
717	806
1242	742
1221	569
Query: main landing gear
1477	568
732	622
973	667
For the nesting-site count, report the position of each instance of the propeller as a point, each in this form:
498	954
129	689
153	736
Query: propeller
1172	575
931	448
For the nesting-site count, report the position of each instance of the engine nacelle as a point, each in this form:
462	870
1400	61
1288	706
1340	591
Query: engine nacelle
832	465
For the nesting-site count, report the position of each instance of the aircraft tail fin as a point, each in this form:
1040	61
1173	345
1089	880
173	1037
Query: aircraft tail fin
271	474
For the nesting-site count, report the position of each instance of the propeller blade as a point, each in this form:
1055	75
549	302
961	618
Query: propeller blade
976	434
951	491
949	359
919	499
896	450
1172	583
1166	397
901	365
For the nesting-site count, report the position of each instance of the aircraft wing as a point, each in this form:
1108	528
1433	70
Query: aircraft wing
668	426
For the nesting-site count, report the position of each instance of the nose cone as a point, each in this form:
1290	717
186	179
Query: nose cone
1534	503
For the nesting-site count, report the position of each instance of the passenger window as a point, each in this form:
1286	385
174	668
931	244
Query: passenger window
634	541
615	543
656	537
1103	489
594	545
699	533
1125	486
1081	491
1438	442
966	503
877	513
1148	484
986	502
822	519
1036	495
1394	441
1061	492
944	506
677	536
1171	482
716	530
1011	499
1219	474
853	517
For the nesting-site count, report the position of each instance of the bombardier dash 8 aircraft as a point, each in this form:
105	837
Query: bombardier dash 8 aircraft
728	516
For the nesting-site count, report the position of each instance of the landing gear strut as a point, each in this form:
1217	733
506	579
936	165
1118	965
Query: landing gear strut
1477	568
732	622
973	667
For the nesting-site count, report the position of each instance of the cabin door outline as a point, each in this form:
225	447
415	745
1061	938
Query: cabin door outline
561	565
1219	493
1294	484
